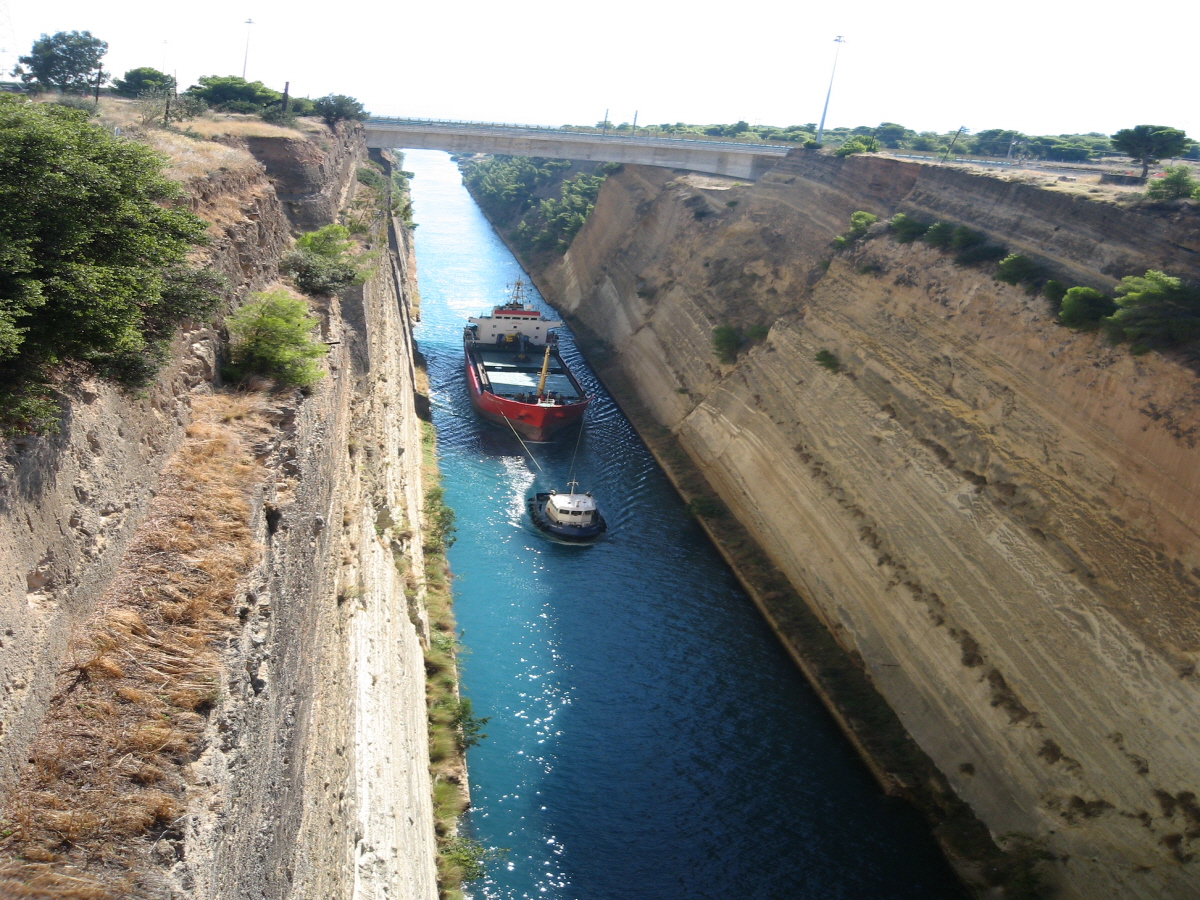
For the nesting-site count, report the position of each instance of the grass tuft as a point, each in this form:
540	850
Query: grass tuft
108	767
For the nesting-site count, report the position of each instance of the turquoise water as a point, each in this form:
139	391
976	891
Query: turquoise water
649	738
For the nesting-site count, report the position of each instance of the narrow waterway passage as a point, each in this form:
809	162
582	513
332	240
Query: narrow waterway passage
649	738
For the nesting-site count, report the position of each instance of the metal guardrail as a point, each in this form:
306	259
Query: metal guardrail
763	148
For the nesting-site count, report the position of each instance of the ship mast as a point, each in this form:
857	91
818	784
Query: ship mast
545	372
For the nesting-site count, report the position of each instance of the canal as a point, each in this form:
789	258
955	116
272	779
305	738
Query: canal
649	738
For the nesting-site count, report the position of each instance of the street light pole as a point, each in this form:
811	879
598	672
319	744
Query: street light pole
246	58
839	40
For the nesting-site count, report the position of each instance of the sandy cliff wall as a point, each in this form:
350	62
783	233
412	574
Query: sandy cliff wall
69	502
997	516
312	775
316	779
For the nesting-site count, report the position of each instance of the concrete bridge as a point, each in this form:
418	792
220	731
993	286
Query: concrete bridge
739	160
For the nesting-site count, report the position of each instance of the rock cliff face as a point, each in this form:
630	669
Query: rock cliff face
312	775
996	516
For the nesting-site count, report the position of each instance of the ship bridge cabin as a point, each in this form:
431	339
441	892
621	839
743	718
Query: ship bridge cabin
570	509
508	323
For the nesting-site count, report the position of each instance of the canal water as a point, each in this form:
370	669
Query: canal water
649	738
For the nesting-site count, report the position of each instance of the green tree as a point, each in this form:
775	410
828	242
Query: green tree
233	94
857	145
330	241
860	221
1148	144
336	108
68	61
1018	268
321	264
272	336
92	253
892	135
142	79
1176	183
906	228
1155	311
1083	308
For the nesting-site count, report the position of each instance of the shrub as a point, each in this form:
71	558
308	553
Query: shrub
319	275
980	253
963	238
92	253
939	235
1015	269
276	116
1054	291
1084	307
726	340
330	241
756	333
828	360
857	145
840	243
1155	311
860	221
439	521
370	177
85	103
907	230
271	336
1177	183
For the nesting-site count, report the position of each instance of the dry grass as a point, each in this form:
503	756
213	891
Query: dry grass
107	770
190	158
212	126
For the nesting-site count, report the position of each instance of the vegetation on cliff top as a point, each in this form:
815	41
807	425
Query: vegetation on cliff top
1154	311
93	258
506	187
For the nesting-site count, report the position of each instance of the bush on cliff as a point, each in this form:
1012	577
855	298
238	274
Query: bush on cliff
1176	183
1054	291
272	336
726	341
1018	269
907	229
1083	308
1155	311
93	269
320	264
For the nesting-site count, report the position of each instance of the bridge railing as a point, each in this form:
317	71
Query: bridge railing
771	148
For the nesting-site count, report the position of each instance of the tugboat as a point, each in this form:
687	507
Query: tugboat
514	372
572	516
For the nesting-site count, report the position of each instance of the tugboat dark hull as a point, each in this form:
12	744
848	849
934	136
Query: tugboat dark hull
536	506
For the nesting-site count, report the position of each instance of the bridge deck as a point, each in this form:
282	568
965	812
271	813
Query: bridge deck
734	158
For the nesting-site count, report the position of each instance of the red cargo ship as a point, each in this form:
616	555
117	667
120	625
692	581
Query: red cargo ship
514	372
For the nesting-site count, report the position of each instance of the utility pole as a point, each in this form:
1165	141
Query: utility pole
286	85
957	135
839	40
633	131
246	58
604	128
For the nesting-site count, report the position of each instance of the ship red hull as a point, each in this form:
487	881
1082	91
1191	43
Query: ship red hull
530	420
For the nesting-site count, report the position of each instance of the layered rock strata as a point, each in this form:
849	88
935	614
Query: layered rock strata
312	778
996	516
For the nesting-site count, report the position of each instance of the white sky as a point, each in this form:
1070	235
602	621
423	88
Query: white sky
1043	68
